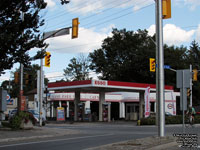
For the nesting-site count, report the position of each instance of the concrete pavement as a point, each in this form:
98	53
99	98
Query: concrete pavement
8	135
148	143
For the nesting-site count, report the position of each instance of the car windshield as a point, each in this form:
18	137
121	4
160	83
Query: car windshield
13	111
34	112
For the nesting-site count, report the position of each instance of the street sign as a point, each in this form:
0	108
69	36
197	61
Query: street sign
183	78
56	33
167	67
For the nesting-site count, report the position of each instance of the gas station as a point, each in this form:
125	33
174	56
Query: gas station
102	87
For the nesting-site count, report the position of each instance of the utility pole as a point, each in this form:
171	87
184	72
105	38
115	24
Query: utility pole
21	92
160	70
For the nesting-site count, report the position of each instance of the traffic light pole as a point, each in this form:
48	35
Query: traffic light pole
41	91
190	85
21	92
160	70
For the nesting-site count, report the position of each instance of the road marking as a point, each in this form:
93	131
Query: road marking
66	139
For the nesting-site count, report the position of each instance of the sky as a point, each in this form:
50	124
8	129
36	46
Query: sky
98	17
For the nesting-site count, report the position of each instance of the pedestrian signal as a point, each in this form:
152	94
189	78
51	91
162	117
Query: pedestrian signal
152	64
47	59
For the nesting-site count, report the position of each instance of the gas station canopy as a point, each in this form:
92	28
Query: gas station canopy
102	85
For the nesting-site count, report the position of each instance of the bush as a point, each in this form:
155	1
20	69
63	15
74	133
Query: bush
148	121
21	117
168	120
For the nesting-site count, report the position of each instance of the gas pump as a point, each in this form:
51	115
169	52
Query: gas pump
105	112
80	111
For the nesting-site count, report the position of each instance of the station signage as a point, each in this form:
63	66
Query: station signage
100	83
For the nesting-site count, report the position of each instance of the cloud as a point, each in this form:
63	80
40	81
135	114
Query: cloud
198	34
174	35
50	3
192	4
87	41
91	6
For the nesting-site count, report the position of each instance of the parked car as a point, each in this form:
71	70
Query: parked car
36	116
32	111
11	113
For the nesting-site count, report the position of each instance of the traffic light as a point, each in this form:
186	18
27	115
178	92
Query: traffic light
47	59
166	9
28	79
16	75
75	24
188	92
152	64
195	73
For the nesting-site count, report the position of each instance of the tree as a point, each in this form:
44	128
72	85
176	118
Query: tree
78	69
14	45
175	57
194	59
30	80
125	57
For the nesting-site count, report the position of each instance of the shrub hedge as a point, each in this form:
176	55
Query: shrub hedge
22	116
168	120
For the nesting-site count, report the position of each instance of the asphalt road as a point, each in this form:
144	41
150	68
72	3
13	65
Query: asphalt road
92	135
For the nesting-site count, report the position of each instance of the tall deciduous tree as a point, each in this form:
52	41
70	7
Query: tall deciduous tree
14	45
78	69
125	57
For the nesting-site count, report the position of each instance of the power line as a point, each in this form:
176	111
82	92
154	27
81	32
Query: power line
63	12
100	12
83	7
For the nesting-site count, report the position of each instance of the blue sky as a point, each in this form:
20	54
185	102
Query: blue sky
98	17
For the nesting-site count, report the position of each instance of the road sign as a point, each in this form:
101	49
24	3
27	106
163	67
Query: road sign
167	67
183	78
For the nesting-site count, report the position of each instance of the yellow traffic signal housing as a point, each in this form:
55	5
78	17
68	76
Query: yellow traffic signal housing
28	79
16	75
188	92
152	64
166	9
47	59
195	73
75	24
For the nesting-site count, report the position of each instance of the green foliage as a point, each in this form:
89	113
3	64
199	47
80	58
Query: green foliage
168	120
20	117
148	121
14	46
125	57
31	71
78	69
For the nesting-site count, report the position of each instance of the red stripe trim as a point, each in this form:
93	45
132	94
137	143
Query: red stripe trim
109	83
60	84
139	85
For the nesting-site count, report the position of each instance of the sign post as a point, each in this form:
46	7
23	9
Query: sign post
183	82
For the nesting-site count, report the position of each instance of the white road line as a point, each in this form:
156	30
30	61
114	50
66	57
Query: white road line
66	139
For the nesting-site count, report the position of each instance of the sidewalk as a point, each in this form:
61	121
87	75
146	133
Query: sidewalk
37	132
149	143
